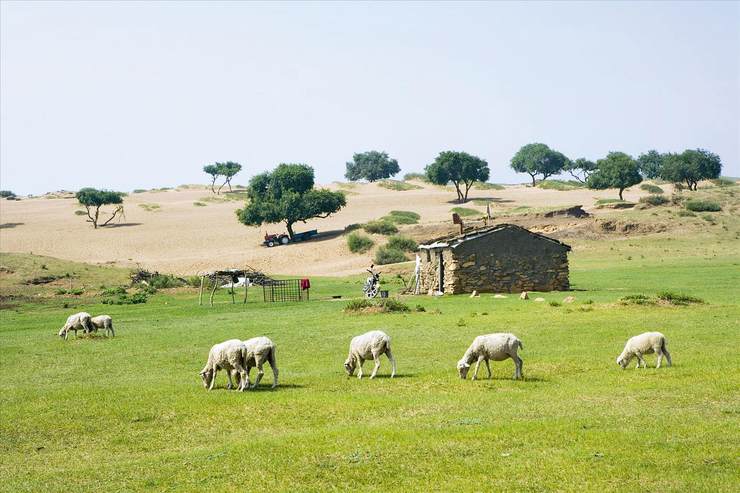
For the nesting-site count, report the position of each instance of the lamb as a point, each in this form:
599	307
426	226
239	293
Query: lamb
369	345
103	322
497	347
78	321
257	351
647	343
228	355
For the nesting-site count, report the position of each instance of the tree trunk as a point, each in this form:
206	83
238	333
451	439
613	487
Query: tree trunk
620	193
534	183
213	182
467	189
228	182
289	227
95	221
457	189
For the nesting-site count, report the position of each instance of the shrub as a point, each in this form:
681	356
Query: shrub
118	290
165	281
648	187
684	213
125	299
561	185
383	305
199	204
150	207
677	298
697	205
6	194
466	212
419	308
479	185
352	227
193	281
636	299
139	190
80	212
399	186
402	217
381	227
555	303
359	243
415	176
387	255
654	200
403	243
724	182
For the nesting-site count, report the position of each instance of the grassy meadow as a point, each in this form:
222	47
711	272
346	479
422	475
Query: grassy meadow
130	413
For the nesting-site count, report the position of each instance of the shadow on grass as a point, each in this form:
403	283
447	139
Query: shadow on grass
366	376
10	225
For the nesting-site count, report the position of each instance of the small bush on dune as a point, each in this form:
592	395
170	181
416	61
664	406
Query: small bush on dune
684	213
403	243
678	298
466	212
402	217
381	227
79	212
165	281
561	185
352	227
139	190
415	176
654	200
193	281
636	299
359	243
648	187
386	255
724	182
479	185
384	305
697	205
398	186
199	204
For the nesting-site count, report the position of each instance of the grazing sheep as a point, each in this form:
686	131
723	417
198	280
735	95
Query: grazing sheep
257	351
369	345
78	321
103	322
647	343
229	356
497	347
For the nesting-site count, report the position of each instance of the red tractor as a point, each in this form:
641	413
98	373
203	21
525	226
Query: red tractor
284	239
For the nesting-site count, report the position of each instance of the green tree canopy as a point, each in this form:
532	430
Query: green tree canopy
616	170
227	170
538	159
580	169
93	199
650	163
287	194
371	166
460	168
214	171
690	167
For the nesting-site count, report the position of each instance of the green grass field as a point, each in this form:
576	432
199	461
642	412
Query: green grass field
130	414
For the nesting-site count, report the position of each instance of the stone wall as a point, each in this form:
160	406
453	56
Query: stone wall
508	260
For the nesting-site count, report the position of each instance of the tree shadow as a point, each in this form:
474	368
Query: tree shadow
10	225
121	225
324	235
491	200
385	375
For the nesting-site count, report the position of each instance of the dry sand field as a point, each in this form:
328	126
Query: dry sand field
182	238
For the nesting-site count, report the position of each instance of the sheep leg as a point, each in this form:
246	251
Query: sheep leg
230	385
112	332
247	385
667	356
273	365
488	367
260	371
518	363
660	358
640	360
214	372
477	366
392	360
360	363
376	359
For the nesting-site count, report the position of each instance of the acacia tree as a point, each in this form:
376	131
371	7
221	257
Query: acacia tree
287	194
460	168
371	166
227	170
94	199
214	171
691	166
580	169
650	163
538	159
617	170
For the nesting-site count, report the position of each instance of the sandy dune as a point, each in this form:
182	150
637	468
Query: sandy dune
184	239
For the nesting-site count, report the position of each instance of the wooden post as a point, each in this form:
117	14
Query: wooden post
232	289
200	292
215	285
246	285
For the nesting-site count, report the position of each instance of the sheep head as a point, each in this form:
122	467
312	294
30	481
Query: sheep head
62	331
206	376
623	360
462	369
349	366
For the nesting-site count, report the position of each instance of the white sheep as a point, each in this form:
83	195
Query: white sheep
78	321
370	345
228	355
496	347
259	350
103	322
647	343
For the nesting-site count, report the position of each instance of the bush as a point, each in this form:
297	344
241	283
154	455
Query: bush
199	204
387	255
724	182
479	185
697	205
125	299
151	207
561	185
359	243
381	227
383	305
636	299
402	217
165	281
6	194
684	213
415	176
466	212
116	291
80	212
648	187
352	227
398	186
654	200
139	190
555	303
403	243
678	298
193	281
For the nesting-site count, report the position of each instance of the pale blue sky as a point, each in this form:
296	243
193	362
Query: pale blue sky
129	95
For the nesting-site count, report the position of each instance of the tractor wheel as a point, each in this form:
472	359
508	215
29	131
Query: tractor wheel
284	240
270	243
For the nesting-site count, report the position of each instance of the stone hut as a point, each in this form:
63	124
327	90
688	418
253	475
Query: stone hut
503	258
